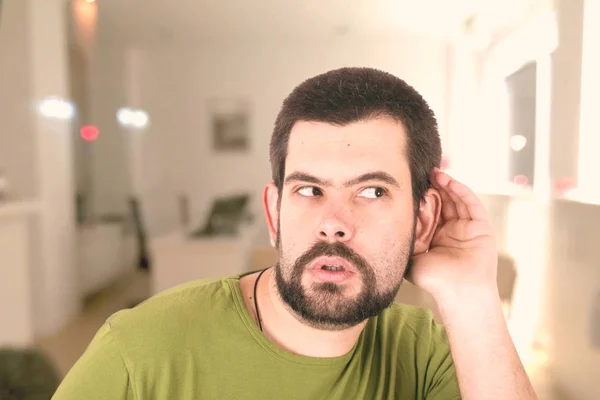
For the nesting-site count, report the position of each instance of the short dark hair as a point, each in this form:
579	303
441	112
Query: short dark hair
347	95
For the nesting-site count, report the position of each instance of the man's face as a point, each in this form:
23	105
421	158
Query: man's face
346	222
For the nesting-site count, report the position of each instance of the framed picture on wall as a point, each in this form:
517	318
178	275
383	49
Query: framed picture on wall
230	125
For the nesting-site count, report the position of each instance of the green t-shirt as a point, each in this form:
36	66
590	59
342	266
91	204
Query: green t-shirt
198	341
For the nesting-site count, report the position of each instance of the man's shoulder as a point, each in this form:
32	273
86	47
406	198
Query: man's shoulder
417	342
411	323
175	312
412	338
153	341
409	313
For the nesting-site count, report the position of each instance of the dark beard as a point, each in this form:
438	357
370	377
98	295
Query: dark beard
325	307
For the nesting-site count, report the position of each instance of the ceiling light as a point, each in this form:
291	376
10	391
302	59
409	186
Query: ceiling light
139	119
57	108
518	142
134	118
124	116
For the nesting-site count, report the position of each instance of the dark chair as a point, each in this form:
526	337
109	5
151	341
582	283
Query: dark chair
141	234
225	217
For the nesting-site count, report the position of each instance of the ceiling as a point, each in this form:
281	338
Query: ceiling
255	19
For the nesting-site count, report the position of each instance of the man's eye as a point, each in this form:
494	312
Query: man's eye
372	192
309	191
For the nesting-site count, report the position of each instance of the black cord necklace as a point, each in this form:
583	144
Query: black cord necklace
255	301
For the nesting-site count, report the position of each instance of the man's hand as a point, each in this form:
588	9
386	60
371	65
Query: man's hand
459	271
463	254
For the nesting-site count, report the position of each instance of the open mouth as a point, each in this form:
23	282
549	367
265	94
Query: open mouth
333	268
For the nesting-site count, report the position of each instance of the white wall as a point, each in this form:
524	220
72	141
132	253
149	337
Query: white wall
465	70
38	150
17	136
56	273
566	90
176	83
79	89
109	176
16	300
573	292
589	140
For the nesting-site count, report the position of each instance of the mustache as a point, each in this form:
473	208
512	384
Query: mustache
336	249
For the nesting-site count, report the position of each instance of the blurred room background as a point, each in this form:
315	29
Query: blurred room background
134	148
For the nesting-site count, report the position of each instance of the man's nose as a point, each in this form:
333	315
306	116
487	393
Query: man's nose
336	225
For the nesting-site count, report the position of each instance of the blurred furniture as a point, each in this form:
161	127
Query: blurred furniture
225	217
262	257
16	273
111	247
26	374
506	278
143	256
178	258
3	181
221	247
106	252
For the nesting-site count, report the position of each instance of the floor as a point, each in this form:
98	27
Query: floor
68	345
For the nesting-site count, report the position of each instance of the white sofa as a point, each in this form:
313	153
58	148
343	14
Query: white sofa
105	254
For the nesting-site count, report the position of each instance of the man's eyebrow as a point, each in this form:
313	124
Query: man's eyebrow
380	176
308	178
374	176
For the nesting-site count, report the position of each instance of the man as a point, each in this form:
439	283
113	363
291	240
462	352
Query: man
356	205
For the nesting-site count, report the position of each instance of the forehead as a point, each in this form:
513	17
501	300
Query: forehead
324	149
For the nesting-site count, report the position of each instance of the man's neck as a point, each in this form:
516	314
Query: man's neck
287	331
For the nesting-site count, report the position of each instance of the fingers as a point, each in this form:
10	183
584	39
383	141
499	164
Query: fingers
472	203
458	196
461	208
449	211
452	207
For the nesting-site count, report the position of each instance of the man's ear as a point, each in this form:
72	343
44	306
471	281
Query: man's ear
428	219
271	209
